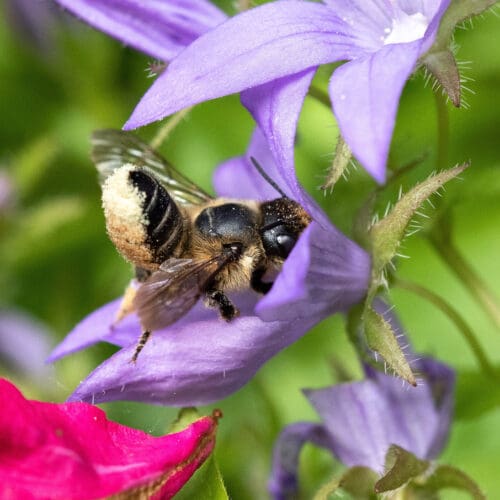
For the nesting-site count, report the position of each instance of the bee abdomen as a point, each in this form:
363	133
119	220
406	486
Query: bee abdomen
164	225
142	219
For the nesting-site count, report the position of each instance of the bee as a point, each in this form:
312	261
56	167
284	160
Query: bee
184	243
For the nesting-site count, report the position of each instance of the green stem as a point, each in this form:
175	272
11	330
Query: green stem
468	276
320	95
456	318
167	128
443	131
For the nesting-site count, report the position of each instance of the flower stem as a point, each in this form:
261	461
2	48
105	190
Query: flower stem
167	128
320	95
468	276
456	318
443	131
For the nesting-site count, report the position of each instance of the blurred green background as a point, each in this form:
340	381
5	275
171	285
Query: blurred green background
57	263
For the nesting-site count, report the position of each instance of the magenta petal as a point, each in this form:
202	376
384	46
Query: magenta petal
275	107
157	27
193	363
365	95
283	481
325	273
260	45
364	418
73	451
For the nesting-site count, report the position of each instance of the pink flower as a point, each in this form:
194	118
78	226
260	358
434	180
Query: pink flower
71	450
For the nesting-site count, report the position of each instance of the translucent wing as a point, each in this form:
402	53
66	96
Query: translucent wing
169	293
112	149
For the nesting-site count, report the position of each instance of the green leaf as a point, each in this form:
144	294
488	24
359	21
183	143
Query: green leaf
402	466
206	483
446	476
387	234
381	339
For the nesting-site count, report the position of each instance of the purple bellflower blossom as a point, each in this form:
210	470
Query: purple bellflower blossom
201	359
361	420
262	51
158	28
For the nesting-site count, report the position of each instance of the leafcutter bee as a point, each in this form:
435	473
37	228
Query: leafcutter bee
184	243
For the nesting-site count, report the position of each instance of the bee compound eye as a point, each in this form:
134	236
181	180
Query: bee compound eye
286	242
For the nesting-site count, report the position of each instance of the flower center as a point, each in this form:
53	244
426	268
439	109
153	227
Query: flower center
406	28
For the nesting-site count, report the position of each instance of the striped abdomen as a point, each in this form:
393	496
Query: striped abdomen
142	219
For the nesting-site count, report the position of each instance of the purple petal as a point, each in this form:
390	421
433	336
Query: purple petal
95	327
364	418
239	178
260	45
368	19
159	28
283	480
24	343
325	273
101	326
365	95
191	363
275	107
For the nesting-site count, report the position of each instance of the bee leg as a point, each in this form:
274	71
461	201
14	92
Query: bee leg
256	281
126	306
140	345
217	298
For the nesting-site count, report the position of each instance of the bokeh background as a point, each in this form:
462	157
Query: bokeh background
60	79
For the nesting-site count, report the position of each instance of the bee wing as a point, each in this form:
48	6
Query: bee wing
169	293
112	149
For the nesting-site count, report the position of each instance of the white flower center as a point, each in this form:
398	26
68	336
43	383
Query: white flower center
406	28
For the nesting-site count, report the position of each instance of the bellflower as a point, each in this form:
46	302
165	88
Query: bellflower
200	358
361	420
72	450
158	28
24	344
276	42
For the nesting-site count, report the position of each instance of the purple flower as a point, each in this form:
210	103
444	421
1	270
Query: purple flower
262	51
361	420
200	358
159	28
24	344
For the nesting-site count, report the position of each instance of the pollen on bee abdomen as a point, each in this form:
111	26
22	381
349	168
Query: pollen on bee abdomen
126	221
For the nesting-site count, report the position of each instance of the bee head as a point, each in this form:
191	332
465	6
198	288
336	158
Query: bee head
283	221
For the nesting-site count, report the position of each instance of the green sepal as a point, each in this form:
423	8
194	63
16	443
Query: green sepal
358	482
339	165
382	339
446	476
457	12
206	483
439	60
185	418
443	67
401	466
387	234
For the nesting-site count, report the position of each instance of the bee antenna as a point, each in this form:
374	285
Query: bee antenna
266	177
